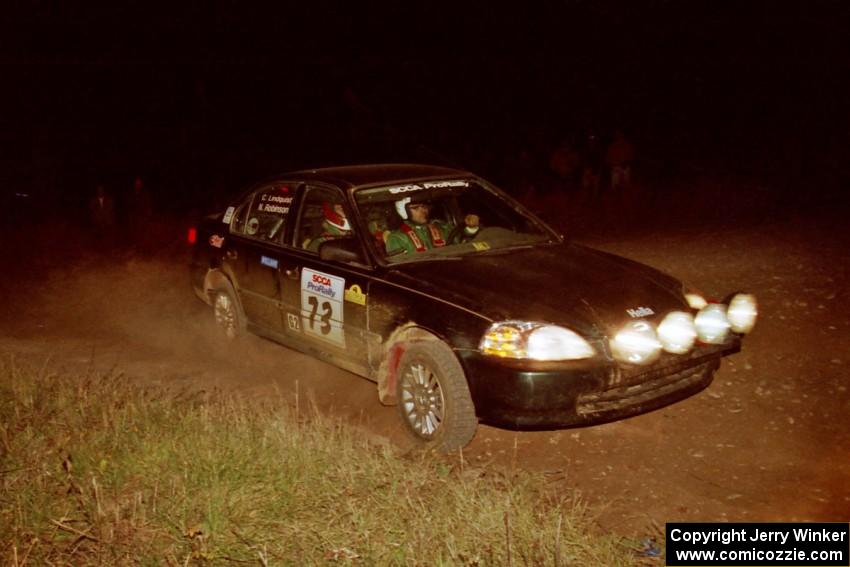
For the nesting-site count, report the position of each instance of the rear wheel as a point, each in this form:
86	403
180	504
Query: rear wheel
433	397
227	312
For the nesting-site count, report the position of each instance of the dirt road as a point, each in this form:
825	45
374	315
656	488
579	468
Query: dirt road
768	441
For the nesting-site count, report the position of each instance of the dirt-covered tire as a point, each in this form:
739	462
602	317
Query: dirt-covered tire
433	397
227	311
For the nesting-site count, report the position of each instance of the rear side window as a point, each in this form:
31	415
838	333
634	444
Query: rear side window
323	217
264	214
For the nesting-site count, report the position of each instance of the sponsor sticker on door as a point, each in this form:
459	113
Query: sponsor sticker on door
270	262
355	295
322	306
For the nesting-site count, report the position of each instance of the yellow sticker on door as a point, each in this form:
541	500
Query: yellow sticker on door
355	295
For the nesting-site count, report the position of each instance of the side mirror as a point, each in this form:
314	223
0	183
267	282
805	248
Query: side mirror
345	249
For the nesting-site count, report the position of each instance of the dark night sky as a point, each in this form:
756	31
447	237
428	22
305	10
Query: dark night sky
213	93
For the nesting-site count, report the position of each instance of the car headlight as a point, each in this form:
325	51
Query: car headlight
636	343
534	341
742	312
677	332
712	324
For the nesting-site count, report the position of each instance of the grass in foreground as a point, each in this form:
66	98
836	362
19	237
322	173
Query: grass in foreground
97	470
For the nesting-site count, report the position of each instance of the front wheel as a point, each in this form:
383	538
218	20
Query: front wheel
433	397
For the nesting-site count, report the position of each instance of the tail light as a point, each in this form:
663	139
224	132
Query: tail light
192	236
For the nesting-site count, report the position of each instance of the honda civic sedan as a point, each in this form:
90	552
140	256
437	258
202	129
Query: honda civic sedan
461	305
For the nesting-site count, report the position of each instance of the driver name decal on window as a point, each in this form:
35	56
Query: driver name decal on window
322	306
228	214
271	203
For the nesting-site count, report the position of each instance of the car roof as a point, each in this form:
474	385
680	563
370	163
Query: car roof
377	174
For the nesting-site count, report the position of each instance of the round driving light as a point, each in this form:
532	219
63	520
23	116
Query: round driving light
712	324
695	300
636	343
677	332
742	312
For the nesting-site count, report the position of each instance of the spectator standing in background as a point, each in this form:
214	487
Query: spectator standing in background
522	174
139	213
102	215
591	159
619	158
564	163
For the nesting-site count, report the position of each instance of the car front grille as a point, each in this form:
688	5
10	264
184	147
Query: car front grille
639	389
628	375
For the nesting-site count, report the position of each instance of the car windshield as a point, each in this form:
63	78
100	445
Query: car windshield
447	219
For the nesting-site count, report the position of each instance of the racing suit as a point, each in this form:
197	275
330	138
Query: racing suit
412	237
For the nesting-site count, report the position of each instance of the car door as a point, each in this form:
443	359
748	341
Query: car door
324	302
253	254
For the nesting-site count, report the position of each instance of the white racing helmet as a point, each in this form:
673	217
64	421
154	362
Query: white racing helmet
401	207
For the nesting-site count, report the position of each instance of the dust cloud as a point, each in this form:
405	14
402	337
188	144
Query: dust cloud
90	305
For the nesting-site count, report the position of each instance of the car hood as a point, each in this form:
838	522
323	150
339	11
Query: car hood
587	290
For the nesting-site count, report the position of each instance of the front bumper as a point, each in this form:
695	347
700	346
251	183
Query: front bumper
553	396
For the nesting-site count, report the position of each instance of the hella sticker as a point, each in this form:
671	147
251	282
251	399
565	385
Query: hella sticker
270	262
638	312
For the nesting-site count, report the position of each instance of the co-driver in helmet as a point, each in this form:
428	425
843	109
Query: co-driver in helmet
334	225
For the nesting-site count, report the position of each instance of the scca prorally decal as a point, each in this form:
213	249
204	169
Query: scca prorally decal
452	183
321	284
405	189
428	185
322	307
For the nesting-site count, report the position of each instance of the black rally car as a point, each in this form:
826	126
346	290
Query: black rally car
460	304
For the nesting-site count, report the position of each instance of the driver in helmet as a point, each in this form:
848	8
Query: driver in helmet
417	233
334	225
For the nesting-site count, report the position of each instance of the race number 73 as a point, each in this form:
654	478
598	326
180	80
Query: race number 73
321	305
324	317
